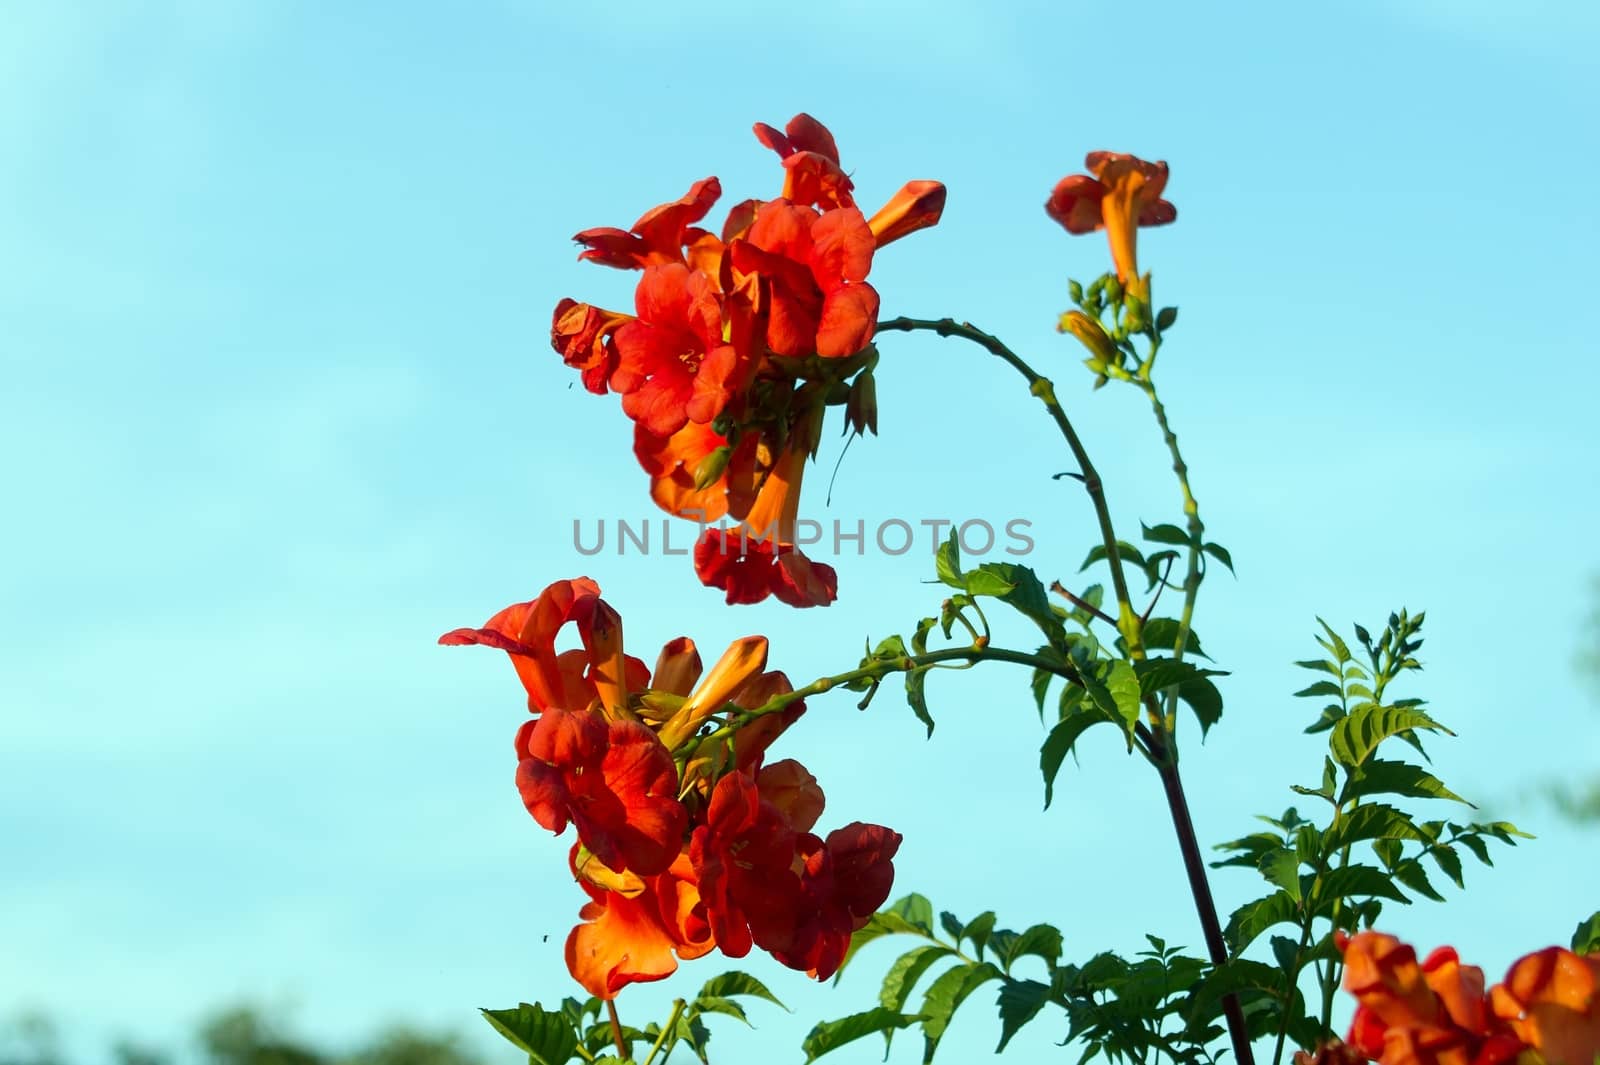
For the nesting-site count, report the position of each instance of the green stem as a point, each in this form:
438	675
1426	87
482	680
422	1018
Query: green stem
1041	386
1196	528
670	1026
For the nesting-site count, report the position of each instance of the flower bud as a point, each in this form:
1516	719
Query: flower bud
861	408
1091	336
710	469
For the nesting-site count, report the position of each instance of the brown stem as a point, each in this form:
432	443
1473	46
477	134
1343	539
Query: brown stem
616	1030
1204	904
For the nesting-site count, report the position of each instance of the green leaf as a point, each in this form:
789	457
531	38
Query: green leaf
1165	534
1123	684
1041	688
1040	941
1019	588
546	1037
734	984
1321	687
1586	937
831	1035
1162	633
1282	869
1059	743
1220	553
1126	553
947	563
985	581
913	910
1412	875
1370	821
1020	1001
978	931
916	695
1158	674
1285	952
945	995
903	975
1379	776
1204	699
1357	735
726	1006
1254	918
1356	881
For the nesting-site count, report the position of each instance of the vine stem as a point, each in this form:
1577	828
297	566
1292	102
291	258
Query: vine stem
1041	386
671	1025
1159	745
1200	887
1196	529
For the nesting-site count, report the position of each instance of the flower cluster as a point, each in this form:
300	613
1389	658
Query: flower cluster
1438	1013
737	343
688	838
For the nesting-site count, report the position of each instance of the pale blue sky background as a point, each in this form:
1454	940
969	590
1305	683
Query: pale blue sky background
278	408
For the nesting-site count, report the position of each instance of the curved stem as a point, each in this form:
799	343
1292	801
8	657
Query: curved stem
1041	386
670	1026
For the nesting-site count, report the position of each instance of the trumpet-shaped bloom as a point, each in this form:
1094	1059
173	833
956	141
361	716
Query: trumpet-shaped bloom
812	174
760	559
637	938
1123	194
1551	999
659	236
673	366
843	881
615	781
811	270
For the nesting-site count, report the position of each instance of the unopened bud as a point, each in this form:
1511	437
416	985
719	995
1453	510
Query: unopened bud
861	409
711	468
1092	336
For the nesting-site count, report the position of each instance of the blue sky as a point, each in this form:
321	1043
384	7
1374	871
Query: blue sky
278	408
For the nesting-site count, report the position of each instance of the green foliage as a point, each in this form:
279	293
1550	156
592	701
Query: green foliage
1319	878
581	1029
1586	937
1136	1010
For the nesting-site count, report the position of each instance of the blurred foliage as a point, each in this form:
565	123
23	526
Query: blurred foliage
238	1035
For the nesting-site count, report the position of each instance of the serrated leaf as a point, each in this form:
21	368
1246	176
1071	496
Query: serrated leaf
1320	665
1041	688
1356	881
1282	869
1204	699
1254	918
725	1006
1162	633
944	997
546	1037
734	984
985	581
1020	1001
1123	684
1412	875
1357	735
907	969
827	1036
1370	821
1059	743
1449	863
978	931
1321	687
1040	941
1379	776
947	563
